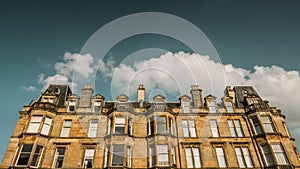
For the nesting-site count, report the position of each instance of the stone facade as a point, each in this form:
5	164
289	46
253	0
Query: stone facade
63	130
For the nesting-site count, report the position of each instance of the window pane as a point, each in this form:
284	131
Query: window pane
119	125
46	126
89	158
221	157
59	158
93	128
257	126
24	154
214	128
173	155
238	128
106	156
34	124
229	107
33	127
247	157
267	154
161	125
129	154
197	159
189	157
239	156
231	128
269	128
186	107
192	128
162	155
37	156
66	128
279	154
118	155
211	107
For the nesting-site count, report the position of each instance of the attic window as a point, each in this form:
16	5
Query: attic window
57	90
245	93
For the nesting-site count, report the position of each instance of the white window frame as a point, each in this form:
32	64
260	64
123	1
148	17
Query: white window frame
267	124
97	104
115	153
161	124
267	153
173	155
21	152
57	156
221	157
229	107
109	126
34	124
193	160
129	156
279	154
214	128
162	155
93	128
235	128
46	125
212	107
130	126
106	156
190	129
120	121
186	107
243	157
256	124
39	155
88	155
66	128
152	159
71	103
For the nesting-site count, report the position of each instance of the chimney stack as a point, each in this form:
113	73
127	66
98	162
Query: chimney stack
230	92
196	93
141	93
86	96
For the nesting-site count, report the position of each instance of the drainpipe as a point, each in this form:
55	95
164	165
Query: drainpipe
177	136
253	142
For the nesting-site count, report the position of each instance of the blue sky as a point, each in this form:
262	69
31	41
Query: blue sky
252	36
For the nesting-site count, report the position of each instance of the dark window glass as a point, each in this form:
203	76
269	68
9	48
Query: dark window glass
161	125
59	157
71	108
37	156
25	154
118	155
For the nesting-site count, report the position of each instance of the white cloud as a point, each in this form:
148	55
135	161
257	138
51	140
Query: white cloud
175	72
30	88
80	64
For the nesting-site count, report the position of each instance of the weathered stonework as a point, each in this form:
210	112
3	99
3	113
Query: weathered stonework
63	130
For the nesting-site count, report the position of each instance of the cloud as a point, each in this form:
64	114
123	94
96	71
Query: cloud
81	66
175	72
30	88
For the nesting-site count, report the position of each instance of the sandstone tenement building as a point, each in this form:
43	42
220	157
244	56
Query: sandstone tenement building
63	130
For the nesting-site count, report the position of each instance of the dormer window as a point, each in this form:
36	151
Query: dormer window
71	107
211	107
229	107
48	99
252	101
97	105
185	107
57	90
